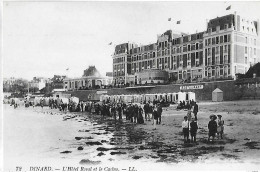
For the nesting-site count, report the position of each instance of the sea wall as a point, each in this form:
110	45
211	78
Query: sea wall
231	90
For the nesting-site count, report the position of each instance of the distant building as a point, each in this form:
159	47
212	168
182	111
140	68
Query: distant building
38	82
90	79
229	45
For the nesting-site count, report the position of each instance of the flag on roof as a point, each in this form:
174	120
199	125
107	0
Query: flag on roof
178	22
229	7
110	43
169	19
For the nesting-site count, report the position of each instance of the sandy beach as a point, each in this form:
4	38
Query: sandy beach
45	137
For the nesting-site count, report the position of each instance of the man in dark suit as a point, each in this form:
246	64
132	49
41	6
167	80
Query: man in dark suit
195	110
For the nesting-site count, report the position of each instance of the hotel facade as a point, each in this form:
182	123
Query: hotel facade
230	45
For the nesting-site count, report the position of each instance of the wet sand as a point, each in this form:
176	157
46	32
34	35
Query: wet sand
48	137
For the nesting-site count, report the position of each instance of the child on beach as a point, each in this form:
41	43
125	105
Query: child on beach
185	129
212	126
220	128
193	129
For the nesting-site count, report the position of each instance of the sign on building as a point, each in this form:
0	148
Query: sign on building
190	87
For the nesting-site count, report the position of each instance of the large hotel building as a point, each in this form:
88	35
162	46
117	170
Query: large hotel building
230	45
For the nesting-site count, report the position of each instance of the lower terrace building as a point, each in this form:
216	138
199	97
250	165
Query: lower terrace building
91	79
230	45
87	82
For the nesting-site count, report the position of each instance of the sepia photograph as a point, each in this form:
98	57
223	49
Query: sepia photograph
130	86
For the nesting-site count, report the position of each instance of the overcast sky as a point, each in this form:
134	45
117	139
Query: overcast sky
46	38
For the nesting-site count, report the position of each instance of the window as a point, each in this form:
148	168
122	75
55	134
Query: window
229	38
254	51
225	59
197	46
206	42
245	50
213	41
217	50
217	40
245	60
225	38
209	41
209	51
221	39
254	41
217	59
209	30
221	70
246	40
225	49
226	26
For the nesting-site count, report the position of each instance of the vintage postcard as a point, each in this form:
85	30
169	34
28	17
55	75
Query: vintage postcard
130	86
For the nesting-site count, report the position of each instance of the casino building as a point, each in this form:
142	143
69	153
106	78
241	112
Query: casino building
229	45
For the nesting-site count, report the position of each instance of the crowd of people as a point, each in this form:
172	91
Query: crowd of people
137	113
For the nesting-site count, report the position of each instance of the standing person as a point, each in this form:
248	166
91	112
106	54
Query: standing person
119	110
155	117
189	115
183	104
135	113
159	110
140	119
193	129
127	112
81	106
113	112
212	126
41	103
185	129
220	128
195	110
146	111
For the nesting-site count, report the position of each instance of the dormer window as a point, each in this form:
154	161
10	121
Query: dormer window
226	26
210	30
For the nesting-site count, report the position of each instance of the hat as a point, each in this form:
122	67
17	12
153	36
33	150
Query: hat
185	117
213	116
220	116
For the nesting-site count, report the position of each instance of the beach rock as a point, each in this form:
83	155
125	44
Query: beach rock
78	138
103	141
154	157
252	145
137	157
100	154
84	130
117	153
66	152
93	143
103	149
80	148
89	162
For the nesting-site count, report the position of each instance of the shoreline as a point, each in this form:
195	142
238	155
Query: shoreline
137	143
